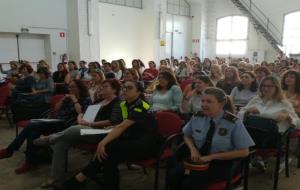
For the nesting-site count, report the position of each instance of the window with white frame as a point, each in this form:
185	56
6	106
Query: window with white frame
178	7
291	35
127	3
232	35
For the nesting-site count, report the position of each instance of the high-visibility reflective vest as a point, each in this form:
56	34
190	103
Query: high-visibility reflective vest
124	109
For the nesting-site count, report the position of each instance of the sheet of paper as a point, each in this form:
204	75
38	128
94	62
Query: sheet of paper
94	131
91	113
46	120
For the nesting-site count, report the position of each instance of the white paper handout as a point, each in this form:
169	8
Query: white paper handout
94	131
46	120
91	113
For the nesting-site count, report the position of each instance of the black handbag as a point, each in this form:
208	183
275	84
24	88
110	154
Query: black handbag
263	131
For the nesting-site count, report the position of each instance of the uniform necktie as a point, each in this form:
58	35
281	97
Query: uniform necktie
205	149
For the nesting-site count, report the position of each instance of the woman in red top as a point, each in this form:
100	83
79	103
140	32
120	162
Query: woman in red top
151	73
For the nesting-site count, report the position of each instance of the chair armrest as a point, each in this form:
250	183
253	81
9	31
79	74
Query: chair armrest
170	141
244	164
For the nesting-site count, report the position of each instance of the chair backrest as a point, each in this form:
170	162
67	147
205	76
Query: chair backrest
263	131
87	82
4	94
168	123
55	99
185	83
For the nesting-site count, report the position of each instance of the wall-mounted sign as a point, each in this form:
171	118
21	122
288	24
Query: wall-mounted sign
62	34
196	40
162	42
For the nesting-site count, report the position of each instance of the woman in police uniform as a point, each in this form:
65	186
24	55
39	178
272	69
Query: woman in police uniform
134	139
213	136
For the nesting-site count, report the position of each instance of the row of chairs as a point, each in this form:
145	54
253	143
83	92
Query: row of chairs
172	133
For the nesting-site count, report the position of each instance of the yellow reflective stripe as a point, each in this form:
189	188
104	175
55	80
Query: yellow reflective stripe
145	105
124	110
138	109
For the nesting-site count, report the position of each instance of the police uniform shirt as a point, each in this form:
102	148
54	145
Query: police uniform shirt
230	133
144	122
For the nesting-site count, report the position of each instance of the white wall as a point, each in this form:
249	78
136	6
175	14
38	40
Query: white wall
47	17
120	32
127	32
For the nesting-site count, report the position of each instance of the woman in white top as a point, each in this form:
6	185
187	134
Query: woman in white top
96	85
271	103
116	70
182	72
246	90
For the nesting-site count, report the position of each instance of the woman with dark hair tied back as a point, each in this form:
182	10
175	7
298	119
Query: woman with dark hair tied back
168	95
191	102
73	70
246	90
25	83
44	86
135	138
61	79
213	137
23	102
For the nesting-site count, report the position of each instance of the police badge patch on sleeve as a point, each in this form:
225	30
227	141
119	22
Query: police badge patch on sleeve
223	131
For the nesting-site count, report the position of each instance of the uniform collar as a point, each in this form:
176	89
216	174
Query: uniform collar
218	117
135	102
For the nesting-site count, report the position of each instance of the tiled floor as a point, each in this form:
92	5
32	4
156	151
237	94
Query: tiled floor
131	180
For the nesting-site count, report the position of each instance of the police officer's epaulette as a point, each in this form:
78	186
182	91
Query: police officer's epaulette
142	104
199	114
230	117
138	103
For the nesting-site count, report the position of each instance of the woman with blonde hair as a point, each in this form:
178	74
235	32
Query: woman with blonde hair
116	69
215	73
271	103
95	86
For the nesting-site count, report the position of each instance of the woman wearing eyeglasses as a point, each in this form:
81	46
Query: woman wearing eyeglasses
271	103
67	109
133	139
